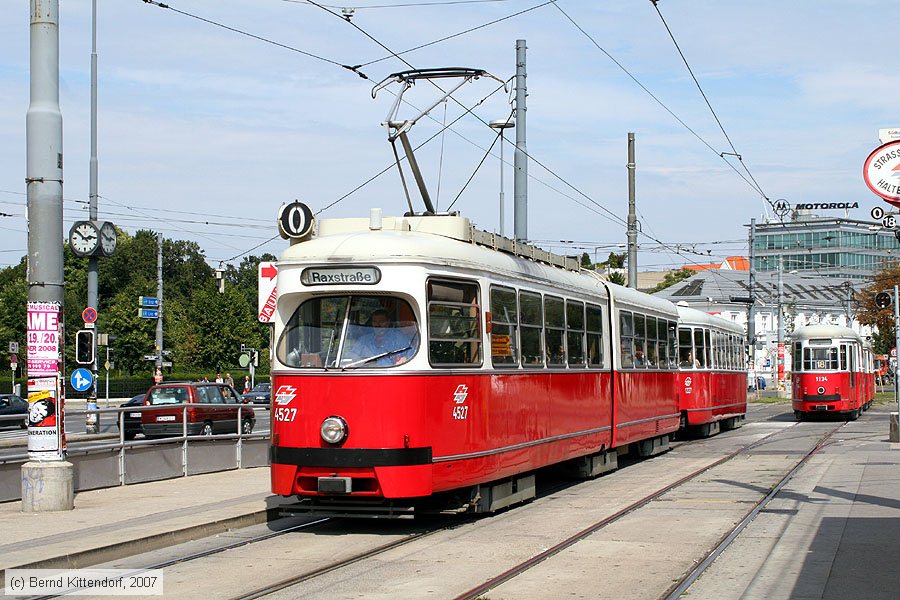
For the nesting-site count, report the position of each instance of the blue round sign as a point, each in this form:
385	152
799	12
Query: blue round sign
81	380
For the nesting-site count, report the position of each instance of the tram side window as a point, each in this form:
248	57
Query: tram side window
700	350
640	341
843	364
575	333
504	327
652	344
626	325
662	337
685	349
594	336
672	330
707	347
555	330
454	317
798	357
531	318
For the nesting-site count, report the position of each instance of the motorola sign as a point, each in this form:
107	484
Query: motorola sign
295	220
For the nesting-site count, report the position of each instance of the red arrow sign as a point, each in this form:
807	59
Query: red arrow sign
269	271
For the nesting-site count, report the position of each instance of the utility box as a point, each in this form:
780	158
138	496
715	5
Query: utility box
894	437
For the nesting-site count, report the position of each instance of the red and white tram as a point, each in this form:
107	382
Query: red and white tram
492	365
832	371
712	376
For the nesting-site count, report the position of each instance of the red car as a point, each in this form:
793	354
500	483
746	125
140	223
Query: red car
211	408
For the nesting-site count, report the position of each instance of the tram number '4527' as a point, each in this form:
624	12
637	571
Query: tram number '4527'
285	415
460	412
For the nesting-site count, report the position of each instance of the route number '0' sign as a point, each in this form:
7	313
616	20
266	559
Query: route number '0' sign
295	220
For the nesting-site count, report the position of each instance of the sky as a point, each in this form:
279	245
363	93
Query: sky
205	132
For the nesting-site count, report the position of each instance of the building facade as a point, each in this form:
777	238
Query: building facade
835	247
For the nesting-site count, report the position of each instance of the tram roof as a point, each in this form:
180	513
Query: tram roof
825	331
448	241
692	316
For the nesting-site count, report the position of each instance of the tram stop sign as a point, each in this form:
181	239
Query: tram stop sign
883	300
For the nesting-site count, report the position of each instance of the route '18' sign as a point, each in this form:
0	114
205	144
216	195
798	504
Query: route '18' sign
881	172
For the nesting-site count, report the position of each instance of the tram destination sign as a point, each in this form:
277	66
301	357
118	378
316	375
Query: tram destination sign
340	275
881	172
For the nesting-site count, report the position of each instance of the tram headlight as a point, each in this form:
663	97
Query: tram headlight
334	430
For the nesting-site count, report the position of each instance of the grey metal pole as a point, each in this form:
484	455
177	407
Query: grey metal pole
632	218
897	345
91	419
159	294
47	479
779	370
520	162
751	309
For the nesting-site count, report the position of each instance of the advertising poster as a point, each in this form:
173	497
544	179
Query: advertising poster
45	402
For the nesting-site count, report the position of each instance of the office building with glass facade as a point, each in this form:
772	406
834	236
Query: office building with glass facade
834	247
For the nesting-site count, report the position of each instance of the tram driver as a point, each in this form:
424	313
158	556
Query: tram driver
379	338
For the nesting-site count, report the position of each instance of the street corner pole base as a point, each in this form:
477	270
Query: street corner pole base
895	436
48	486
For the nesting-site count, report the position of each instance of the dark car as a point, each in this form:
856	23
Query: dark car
10	405
260	394
132	419
211	408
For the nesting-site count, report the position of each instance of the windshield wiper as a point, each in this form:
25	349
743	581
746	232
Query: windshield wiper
376	357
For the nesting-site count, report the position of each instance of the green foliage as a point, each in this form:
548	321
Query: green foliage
203	329
672	278
616	277
615	261
586	261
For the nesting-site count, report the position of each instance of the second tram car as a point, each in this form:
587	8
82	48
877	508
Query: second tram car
415	365
833	371
712	374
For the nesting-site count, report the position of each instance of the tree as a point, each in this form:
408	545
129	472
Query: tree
673	277
617	278
882	318
586	261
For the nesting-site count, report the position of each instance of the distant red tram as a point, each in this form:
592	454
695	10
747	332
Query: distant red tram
833	372
416	365
712	375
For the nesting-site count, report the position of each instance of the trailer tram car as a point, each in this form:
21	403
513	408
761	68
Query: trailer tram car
712	377
497	364
832	372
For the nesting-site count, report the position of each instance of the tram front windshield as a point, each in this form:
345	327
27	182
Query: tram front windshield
820	359
349	331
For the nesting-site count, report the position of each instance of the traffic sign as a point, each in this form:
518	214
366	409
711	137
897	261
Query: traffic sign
89	314
148	301
13	358
268	293
149	357
148	313
81	380
880	169
14	346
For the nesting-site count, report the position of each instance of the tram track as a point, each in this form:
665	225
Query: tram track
676	589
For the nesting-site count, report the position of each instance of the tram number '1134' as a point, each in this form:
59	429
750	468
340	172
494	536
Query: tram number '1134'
285	415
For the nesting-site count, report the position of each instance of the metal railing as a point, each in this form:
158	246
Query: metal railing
150	458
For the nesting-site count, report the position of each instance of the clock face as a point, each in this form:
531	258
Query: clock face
108	239
84	238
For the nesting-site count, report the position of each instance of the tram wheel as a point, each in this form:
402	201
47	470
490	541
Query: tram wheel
798	415
854	414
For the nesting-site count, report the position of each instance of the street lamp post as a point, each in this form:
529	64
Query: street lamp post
500	125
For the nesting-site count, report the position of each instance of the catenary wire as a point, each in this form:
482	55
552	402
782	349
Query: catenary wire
708	104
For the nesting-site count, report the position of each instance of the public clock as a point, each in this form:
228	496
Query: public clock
107	238
84	238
